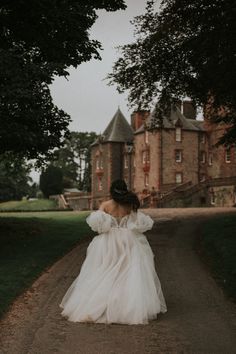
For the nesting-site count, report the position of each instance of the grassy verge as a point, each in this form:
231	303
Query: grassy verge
29	205
218	248
31	242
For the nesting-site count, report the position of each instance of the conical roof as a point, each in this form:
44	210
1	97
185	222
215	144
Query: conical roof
118	130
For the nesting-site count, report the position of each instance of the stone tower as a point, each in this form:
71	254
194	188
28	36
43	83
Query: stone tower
109	157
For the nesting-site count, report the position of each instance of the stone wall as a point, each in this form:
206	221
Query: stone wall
219	167
189	167
109	168
102	152
147	143
224	196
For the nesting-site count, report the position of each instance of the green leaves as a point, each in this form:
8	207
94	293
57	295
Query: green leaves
39	40
73	158
14	177
188	48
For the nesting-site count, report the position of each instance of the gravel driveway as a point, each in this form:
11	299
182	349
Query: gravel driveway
200	319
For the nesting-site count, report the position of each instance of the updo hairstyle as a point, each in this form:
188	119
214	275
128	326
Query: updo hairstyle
121	195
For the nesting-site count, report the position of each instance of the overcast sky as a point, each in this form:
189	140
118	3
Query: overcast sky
86	96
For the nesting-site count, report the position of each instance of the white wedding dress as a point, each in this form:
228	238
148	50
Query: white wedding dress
117	282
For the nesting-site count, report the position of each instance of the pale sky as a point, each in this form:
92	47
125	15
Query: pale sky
86	96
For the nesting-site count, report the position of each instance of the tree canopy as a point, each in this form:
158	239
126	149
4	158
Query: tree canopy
73	158
14	177
187	48
39	40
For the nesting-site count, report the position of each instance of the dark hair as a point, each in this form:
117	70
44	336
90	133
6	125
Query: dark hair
121	195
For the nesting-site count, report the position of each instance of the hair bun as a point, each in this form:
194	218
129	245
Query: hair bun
121	192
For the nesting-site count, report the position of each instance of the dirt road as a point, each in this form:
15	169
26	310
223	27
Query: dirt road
200	319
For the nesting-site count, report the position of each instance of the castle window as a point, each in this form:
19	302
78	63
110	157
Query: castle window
202	178
146	180
101	162
99	183
178	177
202	156
126	164
97	163
228	155
178	134
202	138
210	158
146	137
146	157
178	155
212	199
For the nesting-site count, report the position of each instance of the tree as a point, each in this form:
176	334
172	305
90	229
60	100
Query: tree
188	48
39	40
14	177
64	158
51	181
74	160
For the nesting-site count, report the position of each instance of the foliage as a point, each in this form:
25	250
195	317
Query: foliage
14	177
51	181
29	245
39	40
218	243
188	48
33	190
29	205
74	160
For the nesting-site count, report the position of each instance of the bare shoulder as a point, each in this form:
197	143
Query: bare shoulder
105	205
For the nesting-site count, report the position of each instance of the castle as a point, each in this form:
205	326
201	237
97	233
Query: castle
175	164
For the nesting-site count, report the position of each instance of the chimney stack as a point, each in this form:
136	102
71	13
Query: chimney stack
189	110
138	118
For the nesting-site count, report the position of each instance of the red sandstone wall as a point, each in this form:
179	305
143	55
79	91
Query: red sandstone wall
149	143
220	168
189	165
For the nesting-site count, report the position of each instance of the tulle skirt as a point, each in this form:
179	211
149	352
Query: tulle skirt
117	282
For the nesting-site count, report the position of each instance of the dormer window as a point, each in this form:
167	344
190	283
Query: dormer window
178	134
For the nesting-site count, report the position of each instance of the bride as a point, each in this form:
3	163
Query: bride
117	282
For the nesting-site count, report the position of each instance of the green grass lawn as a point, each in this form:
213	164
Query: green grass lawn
30	243
29	205
218	244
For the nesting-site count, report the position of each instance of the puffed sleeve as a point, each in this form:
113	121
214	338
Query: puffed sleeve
99	221
141	222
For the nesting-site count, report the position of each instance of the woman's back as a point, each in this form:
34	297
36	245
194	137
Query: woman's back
118	282
113	208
